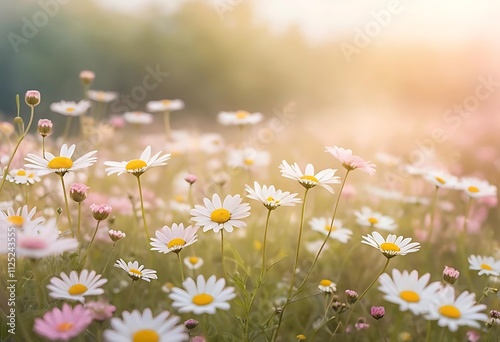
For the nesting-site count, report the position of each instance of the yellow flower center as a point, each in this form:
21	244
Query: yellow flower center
177	242
372	220
21	172
166	102
179	199
135	271
389	246
220	215
16	220
450	311
409	296
473	189
203	299
135	164
440	180
70	109
325	282
257	245
77	289
330	228
241	114
193	260
60	163
101	95
248	161
146	335
486	267
62	327
310	178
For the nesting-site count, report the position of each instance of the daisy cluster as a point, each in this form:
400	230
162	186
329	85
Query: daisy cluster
215	238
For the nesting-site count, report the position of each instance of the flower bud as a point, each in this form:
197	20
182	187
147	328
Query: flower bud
191	179
377	312
44	127
191	324
87	76
32	98
116	235
78	192
352	296
450	275
100	211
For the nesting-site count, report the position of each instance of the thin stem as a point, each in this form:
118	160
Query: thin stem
67	127
130	294
93	236
381	330
190	195
166	119
21	138
37	279
79	220
263	269
428	334
367	289
327	236
290	290
433	211
67	205
180	265
109	258
43	148
222	251
142	208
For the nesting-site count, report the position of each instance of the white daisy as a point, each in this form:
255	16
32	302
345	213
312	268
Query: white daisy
309	179
22	176
173	239
70	108
165	105
60	164
202	296
248	158
217	215
270	197
327	286
20	218
102	96
369	218
408	290
136	326
475	187
135	271
211	143
337	232
441	179
193	262
40	241
392	246
485	265
453	313
76	287
138	118
240	117
137	166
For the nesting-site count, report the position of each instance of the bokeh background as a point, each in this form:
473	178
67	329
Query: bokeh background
379	75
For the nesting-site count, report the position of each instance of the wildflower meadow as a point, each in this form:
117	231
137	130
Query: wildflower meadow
128	228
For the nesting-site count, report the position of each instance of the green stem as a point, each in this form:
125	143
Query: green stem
180	265
21	138
68	215
93	236
222	251
381	330
433	211
43	148
67	128
166	119
142	208
263	269
79	220
37	279
367	289
294	270
109	258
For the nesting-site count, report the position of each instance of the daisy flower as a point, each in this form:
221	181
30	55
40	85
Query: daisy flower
369	218
22	176
135	271
327	286
40	241
350	161
475	187
248	158
193	262
441	179
76	287
270	197
60	164
454	312
174	239
137	166
138	118
392	246
202	296
337	232
137	326
165	105
217	215
20	218
485	265
408	290
70	108
102	96
211	143
63	324
309	179
240	117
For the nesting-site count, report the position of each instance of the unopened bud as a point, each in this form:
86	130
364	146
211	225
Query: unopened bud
32	98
